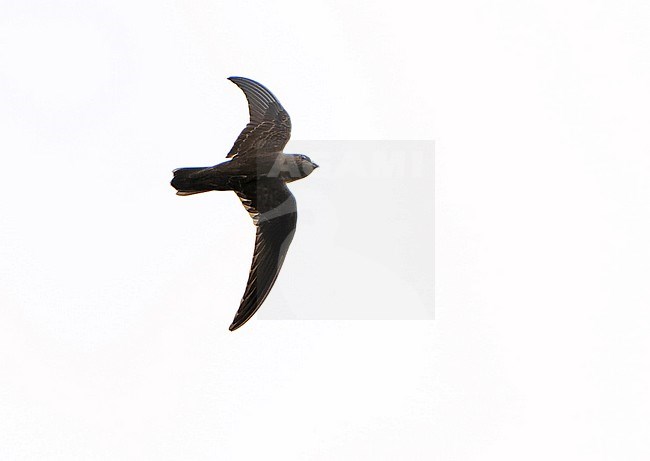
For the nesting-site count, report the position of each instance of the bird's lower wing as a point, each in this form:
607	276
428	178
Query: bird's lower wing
274	212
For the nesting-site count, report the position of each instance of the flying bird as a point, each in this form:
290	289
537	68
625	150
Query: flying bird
258	172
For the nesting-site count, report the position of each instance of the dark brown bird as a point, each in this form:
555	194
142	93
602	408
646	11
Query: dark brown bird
257	172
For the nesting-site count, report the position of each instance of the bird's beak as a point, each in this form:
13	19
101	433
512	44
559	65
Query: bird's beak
314	165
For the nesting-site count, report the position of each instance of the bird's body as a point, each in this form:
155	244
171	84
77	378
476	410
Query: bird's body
257	172
227	175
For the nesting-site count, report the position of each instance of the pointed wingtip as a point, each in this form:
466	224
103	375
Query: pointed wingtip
238	322
239	81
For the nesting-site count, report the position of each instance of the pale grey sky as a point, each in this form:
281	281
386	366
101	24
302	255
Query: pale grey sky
115	294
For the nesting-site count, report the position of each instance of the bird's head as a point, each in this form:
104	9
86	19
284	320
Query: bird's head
294	166
305	164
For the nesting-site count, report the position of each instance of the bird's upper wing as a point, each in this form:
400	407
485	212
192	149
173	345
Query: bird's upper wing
274	212
269	128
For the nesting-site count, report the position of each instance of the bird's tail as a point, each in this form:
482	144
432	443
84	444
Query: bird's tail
189	181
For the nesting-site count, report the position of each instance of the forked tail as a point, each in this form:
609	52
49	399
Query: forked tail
185	183
189	181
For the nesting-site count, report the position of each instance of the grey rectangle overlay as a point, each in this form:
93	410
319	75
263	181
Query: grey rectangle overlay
364	246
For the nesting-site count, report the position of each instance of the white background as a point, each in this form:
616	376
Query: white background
112	345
